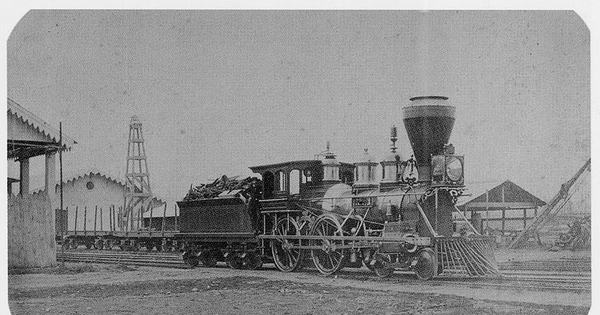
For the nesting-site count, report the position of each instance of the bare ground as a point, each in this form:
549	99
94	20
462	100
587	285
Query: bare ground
105	289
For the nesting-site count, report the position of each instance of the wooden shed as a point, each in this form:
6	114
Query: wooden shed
501	209
31	217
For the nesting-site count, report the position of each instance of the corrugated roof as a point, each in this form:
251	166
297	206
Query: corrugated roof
38	124
73	176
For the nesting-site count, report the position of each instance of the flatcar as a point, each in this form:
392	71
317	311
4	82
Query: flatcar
331	215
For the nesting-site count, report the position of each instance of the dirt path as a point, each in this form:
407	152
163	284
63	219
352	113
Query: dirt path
224	291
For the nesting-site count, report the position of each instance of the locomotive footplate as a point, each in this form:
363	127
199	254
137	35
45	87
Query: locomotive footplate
350	242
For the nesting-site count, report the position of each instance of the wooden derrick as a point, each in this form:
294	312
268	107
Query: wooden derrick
552	208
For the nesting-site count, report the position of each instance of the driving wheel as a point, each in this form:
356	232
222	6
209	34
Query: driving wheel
329	257
285	257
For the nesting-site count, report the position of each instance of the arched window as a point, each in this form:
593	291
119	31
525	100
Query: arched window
280	181
295	182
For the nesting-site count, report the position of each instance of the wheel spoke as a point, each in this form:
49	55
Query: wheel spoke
327	261
331	260
286	259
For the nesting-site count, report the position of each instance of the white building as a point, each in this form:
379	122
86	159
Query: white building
94	201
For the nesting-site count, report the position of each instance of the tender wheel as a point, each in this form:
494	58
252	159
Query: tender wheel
209	259
191	259
329	257
381	266
253	261
74	244
164	247
235	263
99	244
287	259
89	245
426	267
149	247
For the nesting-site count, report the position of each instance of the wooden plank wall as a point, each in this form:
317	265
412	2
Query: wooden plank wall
31	231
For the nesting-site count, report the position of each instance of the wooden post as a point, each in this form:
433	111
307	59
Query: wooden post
95	218
120	222
163	220
132	223
124	213
75	227
65	221
85	220
101	219
175	208
60	163
110	217
503	212
150	224
503	220
487	210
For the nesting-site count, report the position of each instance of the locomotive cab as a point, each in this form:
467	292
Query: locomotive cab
303	179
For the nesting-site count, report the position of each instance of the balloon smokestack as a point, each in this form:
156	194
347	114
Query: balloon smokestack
428	122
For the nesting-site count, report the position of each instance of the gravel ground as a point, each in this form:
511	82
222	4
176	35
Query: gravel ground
528	254
109	289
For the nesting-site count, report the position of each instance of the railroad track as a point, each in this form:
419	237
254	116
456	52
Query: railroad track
536	281
511	279
137	259
552	265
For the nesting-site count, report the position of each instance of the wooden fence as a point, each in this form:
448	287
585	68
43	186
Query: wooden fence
30	231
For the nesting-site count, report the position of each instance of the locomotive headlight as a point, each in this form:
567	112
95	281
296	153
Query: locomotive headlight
454	168
437	162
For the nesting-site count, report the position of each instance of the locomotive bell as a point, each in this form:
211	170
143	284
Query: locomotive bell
428	121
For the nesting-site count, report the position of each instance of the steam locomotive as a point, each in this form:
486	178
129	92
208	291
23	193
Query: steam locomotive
334	215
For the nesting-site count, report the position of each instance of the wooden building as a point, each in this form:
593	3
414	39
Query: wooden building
31	217
502	209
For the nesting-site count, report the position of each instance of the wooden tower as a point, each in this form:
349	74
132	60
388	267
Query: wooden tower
138	193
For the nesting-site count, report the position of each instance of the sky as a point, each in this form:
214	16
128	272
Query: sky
219	91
